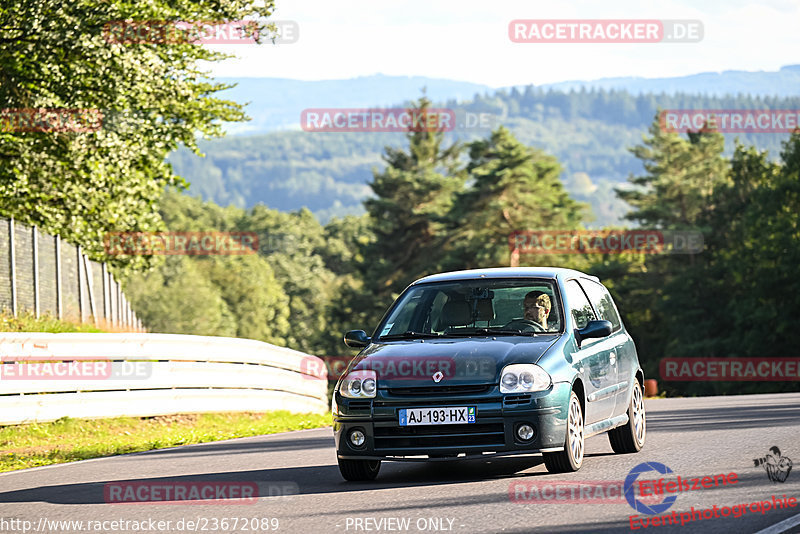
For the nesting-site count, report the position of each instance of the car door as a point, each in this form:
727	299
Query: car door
592	359
622	352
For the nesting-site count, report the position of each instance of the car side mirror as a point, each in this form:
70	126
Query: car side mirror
593	329
356	339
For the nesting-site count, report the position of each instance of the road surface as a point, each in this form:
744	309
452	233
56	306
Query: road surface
300	489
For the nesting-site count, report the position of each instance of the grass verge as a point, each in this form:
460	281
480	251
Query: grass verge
28	322
68	440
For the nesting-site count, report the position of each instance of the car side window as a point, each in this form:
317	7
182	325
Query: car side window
579	306
601	300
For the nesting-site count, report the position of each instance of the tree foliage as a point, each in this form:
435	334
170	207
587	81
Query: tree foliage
513	188
153	97
413	198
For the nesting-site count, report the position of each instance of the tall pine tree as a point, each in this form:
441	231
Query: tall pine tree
413	196
512	187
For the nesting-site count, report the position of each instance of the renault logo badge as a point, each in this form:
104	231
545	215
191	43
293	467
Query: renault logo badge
437	376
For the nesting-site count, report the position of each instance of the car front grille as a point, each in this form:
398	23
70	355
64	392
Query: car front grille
513	400
388	438
440	390
364	405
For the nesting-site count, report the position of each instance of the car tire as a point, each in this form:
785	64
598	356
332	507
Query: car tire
571	458
359	470
630	437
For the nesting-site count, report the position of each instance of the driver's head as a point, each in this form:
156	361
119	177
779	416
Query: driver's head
537	307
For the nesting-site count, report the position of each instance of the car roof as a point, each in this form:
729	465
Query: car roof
507	272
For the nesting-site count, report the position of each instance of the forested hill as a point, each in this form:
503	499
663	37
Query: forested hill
589	131
784	82
276	103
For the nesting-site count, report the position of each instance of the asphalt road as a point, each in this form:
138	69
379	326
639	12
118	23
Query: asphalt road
301	490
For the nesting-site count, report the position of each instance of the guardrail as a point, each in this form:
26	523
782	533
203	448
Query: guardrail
44	377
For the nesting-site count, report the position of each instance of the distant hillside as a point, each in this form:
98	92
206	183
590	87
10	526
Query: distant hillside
276	103
785	82
589	131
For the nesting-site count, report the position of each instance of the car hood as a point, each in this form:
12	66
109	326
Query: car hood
460	361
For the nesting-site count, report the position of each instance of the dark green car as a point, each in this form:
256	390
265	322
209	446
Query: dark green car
489	362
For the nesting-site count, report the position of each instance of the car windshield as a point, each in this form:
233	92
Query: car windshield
475	308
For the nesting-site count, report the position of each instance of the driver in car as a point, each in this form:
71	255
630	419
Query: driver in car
537	308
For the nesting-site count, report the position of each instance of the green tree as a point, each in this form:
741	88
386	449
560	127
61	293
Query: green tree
242	290
153	97
681	175
675	193
351	305
513	187
176	297
413	196
254	297
290	243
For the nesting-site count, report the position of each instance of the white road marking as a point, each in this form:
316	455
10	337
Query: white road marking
783	526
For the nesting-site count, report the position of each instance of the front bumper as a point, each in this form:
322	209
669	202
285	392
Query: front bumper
494	430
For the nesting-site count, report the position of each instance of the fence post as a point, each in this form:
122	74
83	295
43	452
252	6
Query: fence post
114	302
105	291
13	267
119	305
59	307
35	232
89	279
81	304
124	307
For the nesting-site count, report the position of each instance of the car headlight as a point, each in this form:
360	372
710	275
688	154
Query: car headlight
523	378
359	385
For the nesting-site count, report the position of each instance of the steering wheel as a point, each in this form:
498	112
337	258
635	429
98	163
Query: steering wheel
520	323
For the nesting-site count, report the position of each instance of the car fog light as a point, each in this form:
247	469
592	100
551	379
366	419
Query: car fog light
525	432
357	438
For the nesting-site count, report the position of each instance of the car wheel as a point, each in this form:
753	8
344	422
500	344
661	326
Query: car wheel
359	470
571	458
630	437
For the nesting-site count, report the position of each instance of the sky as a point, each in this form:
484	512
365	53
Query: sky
467	40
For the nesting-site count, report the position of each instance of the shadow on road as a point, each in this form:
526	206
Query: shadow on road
254	444
324	479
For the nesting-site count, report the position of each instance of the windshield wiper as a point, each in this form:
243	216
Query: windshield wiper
410	334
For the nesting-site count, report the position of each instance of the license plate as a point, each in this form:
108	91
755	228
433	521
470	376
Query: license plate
437	416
